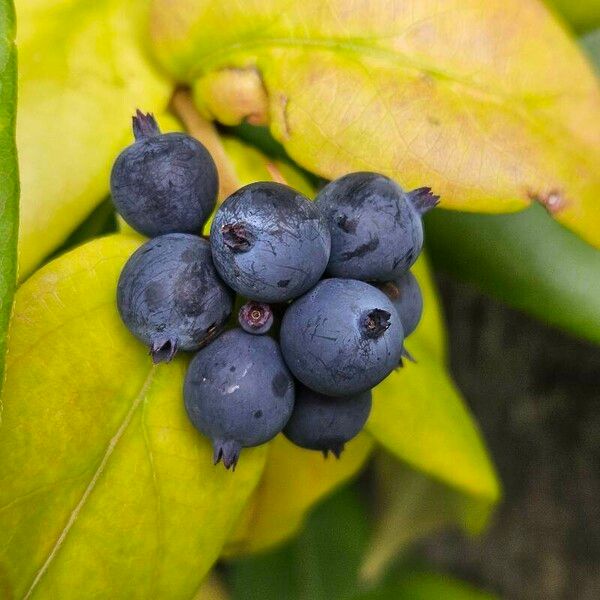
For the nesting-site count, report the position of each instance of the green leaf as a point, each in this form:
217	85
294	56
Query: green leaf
426	586
9	178
106	490
463	99
320	564
411	505
419	416
526	260
82	73
582	15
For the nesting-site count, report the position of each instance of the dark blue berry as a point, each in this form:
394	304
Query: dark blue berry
164	183
343	337
326	423
170	296
255	317
238	392
406	296
376	229
269	242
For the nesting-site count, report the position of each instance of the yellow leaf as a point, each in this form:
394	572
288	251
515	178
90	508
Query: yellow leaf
419	416
487	101
82	73
106	490
430	334
293	481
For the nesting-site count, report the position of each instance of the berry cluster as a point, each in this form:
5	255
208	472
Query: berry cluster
328	294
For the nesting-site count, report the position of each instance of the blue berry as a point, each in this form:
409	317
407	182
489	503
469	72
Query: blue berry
170	296
269	242
163	183
406	296
326	423
238	392
255	317
376	228
341	338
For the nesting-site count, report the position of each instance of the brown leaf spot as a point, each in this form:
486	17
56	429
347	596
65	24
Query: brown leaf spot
553	200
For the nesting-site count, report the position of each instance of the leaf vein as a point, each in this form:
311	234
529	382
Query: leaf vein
92	484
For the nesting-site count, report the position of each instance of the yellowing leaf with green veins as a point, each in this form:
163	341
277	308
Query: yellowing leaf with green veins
461	97
410	505
294	479
82	72
106	490
9	177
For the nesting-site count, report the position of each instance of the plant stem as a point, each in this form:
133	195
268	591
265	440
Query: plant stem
182	106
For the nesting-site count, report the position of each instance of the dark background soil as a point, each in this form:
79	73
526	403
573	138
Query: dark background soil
536	394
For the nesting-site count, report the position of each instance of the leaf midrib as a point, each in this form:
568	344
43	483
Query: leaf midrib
137	401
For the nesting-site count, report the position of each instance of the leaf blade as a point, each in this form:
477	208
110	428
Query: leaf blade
93	447
83	71
525	260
